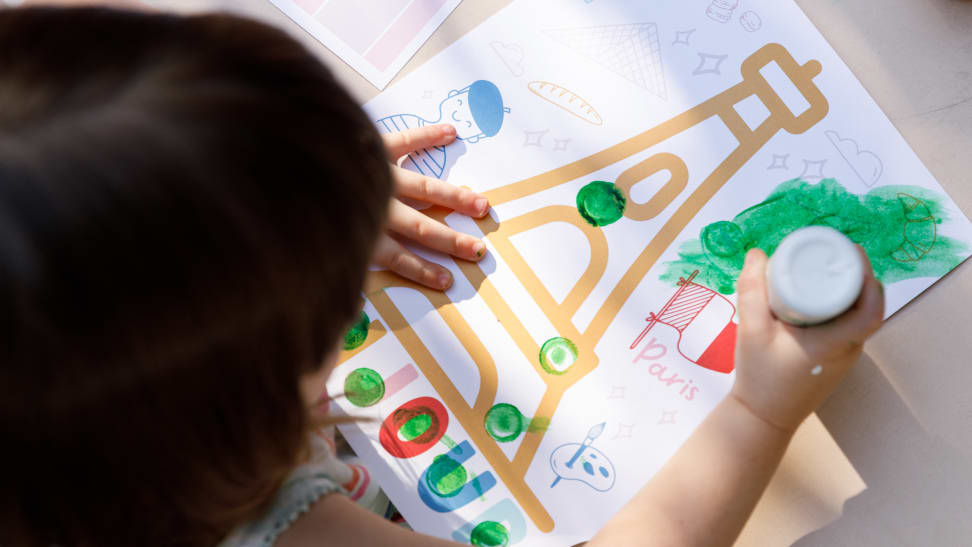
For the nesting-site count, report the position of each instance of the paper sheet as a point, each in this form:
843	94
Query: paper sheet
631	152
374	37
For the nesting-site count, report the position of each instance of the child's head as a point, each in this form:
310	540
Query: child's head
187	210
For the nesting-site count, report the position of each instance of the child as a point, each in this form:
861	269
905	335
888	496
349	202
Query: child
188	206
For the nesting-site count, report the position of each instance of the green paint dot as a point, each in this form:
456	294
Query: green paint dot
358	332
446	476
415	426
364	387
600	203
557	355
723	238
489	534
504	422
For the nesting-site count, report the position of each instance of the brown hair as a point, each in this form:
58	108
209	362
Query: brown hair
187	209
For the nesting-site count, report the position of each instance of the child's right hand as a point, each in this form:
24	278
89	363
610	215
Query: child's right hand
406	224
775	360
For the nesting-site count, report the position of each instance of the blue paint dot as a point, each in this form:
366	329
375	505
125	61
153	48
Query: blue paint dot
588	468
604	472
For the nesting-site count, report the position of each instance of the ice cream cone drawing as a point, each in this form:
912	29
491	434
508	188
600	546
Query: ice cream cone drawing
704	321
565	360
631	51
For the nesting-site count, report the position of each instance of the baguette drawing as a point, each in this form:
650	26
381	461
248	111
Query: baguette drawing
567	100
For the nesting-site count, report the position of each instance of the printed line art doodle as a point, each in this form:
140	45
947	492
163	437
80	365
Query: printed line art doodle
704	321
566	100
617	392
866	164
667	417
896	225
750	21
631	51
624	431
476	111
582	462
682	37
721	10
561	364
560	145
779	162
534	138
709	64
920	230
813	170
511	55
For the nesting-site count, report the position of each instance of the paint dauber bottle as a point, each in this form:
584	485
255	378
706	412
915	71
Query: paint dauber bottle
815	274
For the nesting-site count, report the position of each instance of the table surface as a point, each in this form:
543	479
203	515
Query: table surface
903	416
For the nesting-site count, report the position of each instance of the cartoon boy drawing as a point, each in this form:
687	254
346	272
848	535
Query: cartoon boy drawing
476	111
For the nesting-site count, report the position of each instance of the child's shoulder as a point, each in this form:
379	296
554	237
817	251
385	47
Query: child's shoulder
306	488
300	492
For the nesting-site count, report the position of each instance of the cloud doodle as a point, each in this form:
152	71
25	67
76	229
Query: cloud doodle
866	164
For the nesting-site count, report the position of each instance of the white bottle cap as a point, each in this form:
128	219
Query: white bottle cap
814	275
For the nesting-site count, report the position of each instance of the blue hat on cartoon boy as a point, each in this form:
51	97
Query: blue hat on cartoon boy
486	106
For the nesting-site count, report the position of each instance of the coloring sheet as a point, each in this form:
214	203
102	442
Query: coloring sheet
374	37
632	152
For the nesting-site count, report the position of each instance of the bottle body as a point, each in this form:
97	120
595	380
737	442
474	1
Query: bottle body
815	274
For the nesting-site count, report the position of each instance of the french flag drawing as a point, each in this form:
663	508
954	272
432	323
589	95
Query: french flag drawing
704	321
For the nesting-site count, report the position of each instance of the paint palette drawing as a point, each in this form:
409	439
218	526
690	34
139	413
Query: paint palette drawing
607	298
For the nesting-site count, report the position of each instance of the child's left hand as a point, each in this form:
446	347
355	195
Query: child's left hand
404	222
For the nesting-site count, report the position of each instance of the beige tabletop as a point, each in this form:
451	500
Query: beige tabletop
904	416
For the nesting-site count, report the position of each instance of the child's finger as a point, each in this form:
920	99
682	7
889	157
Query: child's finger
403	142
754	313
413	185
394	256
408	222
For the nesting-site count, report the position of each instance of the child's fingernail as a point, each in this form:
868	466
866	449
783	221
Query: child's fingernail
479	249
481	204
448	130
444	280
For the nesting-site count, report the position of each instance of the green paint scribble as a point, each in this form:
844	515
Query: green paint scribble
896	225
447	440
358	332
445	476
557	355
489	534
364	387
600	203
538	425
